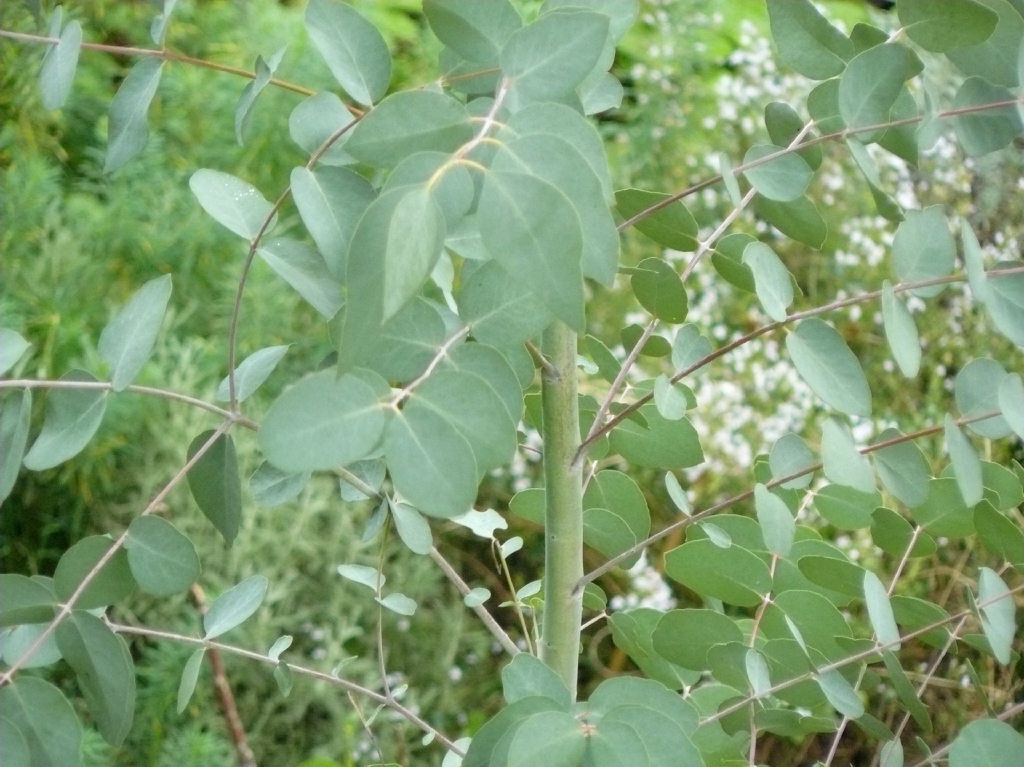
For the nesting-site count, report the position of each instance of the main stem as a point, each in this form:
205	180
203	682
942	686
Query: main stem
563	516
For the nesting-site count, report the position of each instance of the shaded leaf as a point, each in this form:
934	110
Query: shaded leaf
233	203
45	719
784	178
25	601
306	271
409	122
901	332
331	201
527	676
476	31
903	469
215	483
189	677
12	347
986	130
956	24
105	672
15	415
660	290
799	219
976	390
672	226
60	62
1011	402
111	584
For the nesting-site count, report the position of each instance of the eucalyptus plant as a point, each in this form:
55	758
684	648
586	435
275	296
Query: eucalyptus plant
455	235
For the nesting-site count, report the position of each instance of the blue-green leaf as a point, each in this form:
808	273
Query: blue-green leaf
354	50
672	226
158	29
996	58
72	418
871	84
317	119
306	271
398	603
251	373
976	390
986	743
324	422
162	560
104	669
128	339
772	281
189	677
902	469
233	203
784	178
112	583
776	520
840	694
901	332
501	312
234	606
942	27
45	719
806	41
263	70
880	611
828	366
15	415
790	455
474	30
985	130
12	347
527	676
1011	402
966	463
412	528
127	124
59	63
998	611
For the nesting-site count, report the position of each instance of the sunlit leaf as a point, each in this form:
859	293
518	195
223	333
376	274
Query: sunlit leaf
790	455
409	122
412	528
976	390
306	271
784	178
841	694
843	462
672	225
871	84
476	31
776	521
966	463
398	603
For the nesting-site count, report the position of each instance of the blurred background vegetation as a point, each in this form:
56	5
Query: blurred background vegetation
76	244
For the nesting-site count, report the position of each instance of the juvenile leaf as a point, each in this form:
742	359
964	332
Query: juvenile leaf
476	31
688	348
976	390
871	84
996	58
450	184
784	124
128	339
986	743
553	738
527	676
283	677
784	178
966	464
905	690
663	444
1004	301
127	123
367	576
398	603
409	122
263	70
12	347
880	611
660	290
232	203
352	47
1011	402
828	366
158	29
431	463
251	373
499	311
323	422
757	673
234	606
998	623
806	41
734	575
986	130
532	231
476	597
490	365
799	219
554	160
111	584
902	469
104	669
305	270
999	534
901	332
412	528
600	92
684	637
974	261
163	561
189	677
415	239
772	280
45	719
790	455
72	418
677	494
956	24
547	59
271	487
841	694
25	601
776	520
319	118
843	463
886	206
331	201
672	226
59	63
670	400
846	508
407	343
15	413
216	485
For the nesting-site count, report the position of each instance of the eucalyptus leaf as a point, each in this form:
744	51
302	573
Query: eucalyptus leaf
871	84
843	462
783	178
251	373
215	483
901	332
263	71
398	603
976	390
306	271
12	347
409	122
476	31
880	611
798	219
672	225
806	41
331	201
412	528
127	124
985	130
966	463
72	419
163	561
15	415
353	49
111	583
232	203
319	119
45	719
59	64
790	455
772	280
923	249
1011	402
997	609
128	339
828	366
986	743
234	606
841	694
956	24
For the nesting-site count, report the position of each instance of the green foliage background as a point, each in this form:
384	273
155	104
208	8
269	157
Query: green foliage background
76	243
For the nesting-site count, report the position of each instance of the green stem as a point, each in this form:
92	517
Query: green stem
563	522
